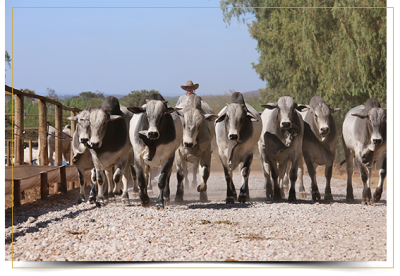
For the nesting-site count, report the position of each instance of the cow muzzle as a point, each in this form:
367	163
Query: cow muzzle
233	137
286	125
153	135
188	145
324	131
84	140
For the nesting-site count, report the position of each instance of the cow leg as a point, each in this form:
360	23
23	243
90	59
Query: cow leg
81	177
125	177
144	198
302	190
382	175
181	168
204	163
100	198
366	194
163	181
312	173
293	177
134	179
328	176
195	171
186	173
282	171
274	174
147	175
117	177
266	172
244	190
93	190
349	169
230	196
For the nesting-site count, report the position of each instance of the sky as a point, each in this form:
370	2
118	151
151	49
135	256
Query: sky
115	51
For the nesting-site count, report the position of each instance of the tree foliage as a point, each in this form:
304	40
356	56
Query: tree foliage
92	95
335	52
137	97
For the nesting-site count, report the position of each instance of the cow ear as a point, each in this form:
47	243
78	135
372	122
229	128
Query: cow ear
362	114
136	109
116	117
147	100
270	105
302	107
171	109
74	118
210	117
333	110
251	116
221	118
165	102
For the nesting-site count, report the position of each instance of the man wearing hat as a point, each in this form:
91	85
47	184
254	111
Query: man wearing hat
189	88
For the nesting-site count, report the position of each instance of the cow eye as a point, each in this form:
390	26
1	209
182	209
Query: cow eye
315	115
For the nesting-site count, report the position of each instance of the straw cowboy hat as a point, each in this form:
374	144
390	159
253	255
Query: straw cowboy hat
189	83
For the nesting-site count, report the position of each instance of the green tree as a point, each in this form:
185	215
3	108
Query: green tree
92	95
136	97
8	60
336	53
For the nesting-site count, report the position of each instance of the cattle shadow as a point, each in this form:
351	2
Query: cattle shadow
55	202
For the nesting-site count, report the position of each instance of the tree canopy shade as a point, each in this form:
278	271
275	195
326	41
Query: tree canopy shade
338	53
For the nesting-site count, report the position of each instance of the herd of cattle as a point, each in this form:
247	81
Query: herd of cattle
136	141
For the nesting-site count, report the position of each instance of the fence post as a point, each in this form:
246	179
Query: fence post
43	151
44	187
30	153
17	192
58	140
9	154
63	176
19	127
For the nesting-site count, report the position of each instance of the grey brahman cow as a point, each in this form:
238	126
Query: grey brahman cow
364	139
237	131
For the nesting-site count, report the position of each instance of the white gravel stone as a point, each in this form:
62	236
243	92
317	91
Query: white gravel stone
261	230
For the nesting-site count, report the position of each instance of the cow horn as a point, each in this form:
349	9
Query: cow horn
165	102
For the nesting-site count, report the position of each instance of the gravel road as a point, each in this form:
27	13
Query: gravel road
261	230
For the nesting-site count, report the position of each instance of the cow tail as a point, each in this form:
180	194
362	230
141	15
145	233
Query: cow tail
344	161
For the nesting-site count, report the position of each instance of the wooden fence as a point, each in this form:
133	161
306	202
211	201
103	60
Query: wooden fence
18	138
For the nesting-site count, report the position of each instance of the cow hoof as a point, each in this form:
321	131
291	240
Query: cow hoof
291	198
159	204
145	204
229	200
377	194
179	197
349	198
125	198
277	196
202	188
316	196
365	202
112	200
135	191
125	201
92	200
203	197
235	195
166	202
118	193
81	199
282	193
242	198
303	195
328	197
100	202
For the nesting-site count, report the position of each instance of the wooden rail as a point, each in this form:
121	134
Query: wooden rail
19	138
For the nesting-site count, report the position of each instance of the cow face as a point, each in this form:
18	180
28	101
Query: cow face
234	116
286	110
82	126
192	121
154	110
98	124
321	116
376	125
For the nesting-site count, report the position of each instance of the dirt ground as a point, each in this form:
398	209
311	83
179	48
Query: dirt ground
339	172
